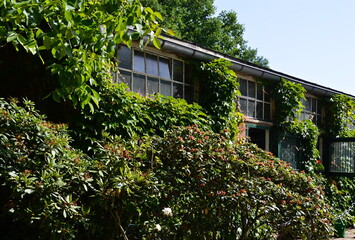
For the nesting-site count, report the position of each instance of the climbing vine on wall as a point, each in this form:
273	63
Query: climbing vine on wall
220	91
289	106
341	115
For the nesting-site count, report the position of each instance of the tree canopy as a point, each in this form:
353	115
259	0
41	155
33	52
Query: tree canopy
196	21
76	39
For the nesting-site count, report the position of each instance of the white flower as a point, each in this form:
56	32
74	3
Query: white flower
168	212
158	227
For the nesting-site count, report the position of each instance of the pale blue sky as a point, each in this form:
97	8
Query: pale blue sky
310	39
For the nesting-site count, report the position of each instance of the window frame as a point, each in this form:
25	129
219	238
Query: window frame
317	115
174	83
255	101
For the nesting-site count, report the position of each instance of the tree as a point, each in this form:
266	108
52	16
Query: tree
195	20
76	39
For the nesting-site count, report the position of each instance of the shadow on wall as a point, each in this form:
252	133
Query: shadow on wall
23	75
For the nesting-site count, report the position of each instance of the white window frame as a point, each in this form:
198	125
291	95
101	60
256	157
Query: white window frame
255	99
316	115
119	77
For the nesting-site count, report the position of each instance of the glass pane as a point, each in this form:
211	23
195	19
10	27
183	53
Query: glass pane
178	90
152	85
125	77
314	105
259	92
266	95
165	88
307	104
178	70
251	89
243	87
125	57
259	110
151	65
189	94
165	68
306	116
189	73
139	84
243	105
139	65
251	109
267	112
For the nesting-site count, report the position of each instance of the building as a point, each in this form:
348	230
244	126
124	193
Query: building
168	71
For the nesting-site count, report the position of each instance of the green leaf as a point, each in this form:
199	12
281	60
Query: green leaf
156	43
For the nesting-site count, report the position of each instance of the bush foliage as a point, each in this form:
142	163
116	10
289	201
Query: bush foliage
190	184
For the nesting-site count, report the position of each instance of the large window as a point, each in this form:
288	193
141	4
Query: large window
312	110
254	100
147	74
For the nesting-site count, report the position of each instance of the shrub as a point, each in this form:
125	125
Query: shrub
219	189
42	179
190	184
128	114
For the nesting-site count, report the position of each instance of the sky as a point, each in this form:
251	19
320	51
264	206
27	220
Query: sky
310	39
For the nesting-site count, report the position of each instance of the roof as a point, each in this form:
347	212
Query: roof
191	50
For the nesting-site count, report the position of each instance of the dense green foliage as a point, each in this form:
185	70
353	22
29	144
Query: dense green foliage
220	189
188	183
219	92
76	39
41	177
341	113
129	115
196	21
289	98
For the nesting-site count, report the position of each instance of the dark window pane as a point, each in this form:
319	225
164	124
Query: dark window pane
139	84
152	85
251	109
151	65
243	105
124	77
165	68
189	73
314	105
243	87
125	57
139	65
189	94
165	88
266	95
251	89
178	70
267	112
259	110
178	90
259	92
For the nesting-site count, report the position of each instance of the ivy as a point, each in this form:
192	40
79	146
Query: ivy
76	39
289	97
341	114
220	91
289	106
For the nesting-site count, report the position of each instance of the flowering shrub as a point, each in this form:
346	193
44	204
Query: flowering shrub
42	178
216	188
190	184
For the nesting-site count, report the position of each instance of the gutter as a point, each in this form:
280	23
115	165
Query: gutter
191	50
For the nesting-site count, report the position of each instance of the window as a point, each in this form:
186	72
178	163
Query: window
312	110
147	74
254	100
